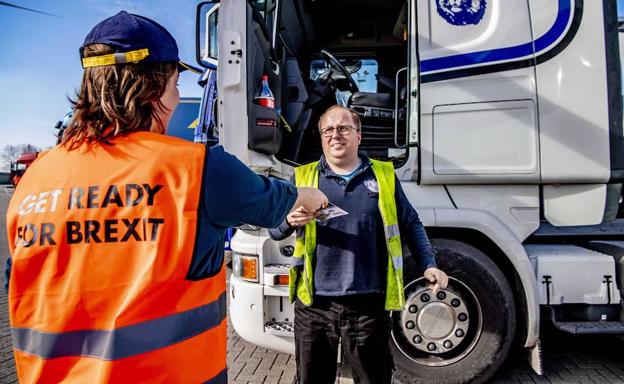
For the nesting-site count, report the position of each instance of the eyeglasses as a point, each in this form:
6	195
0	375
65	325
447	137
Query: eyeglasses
343	130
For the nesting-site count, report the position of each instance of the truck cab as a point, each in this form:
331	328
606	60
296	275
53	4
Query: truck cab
504	123
19	166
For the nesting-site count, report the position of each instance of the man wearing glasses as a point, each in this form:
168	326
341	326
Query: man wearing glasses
347	271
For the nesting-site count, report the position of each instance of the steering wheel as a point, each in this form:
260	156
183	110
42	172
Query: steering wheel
337	65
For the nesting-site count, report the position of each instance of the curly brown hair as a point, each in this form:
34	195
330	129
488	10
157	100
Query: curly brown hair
117	99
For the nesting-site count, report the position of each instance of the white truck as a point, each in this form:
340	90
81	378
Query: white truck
504	121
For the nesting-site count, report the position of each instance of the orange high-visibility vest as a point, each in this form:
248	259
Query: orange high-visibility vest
101	240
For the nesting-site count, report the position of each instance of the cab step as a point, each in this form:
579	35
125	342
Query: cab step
591	327
279	328
602	327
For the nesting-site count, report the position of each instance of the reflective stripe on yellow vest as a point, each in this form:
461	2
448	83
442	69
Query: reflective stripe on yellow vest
301	284
101	239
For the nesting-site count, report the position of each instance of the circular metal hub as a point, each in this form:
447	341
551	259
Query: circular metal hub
435	323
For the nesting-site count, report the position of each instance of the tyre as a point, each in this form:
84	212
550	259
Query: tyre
463	333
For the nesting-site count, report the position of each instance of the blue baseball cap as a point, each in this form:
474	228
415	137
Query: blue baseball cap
134	38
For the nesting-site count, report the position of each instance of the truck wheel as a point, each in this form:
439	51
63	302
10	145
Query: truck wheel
463	333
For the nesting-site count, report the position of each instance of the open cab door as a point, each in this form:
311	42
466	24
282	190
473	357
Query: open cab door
243	44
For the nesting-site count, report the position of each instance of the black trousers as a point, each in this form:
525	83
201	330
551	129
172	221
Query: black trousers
364	326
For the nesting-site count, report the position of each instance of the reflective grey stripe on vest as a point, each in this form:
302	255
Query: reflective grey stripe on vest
296	261
125	341
392	231
398	262
221	378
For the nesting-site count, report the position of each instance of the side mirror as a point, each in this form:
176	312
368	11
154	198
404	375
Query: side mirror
206	23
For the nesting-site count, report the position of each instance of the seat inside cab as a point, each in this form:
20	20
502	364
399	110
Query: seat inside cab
325	52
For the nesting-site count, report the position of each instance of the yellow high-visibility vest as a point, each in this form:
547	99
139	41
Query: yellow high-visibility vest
301	284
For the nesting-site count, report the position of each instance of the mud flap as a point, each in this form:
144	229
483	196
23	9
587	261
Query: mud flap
535	358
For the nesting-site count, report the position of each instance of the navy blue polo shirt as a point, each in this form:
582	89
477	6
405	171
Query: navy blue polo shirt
351	255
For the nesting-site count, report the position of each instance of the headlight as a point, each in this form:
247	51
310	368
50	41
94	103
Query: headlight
245	266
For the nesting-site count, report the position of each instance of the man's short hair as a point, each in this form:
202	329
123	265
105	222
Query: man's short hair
354	116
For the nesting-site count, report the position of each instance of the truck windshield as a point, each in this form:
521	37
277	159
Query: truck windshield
364	76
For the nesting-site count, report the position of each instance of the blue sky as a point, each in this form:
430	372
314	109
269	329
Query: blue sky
40	66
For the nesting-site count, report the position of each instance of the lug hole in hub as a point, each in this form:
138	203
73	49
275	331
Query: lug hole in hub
448	344
417	339
431	347
413	309
441	295
410	325
462	317
425	298
460	333
455	303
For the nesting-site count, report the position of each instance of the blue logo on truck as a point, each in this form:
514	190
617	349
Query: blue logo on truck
462	12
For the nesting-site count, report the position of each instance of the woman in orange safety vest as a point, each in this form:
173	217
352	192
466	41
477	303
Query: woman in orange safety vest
116	235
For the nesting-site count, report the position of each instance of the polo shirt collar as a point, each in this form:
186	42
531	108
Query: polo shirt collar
324	168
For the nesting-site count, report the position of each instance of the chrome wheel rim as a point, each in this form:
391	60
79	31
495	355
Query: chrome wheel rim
440	329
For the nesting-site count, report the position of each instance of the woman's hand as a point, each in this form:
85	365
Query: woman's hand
300	217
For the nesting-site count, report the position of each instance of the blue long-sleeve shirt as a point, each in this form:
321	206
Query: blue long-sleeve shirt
351	255
233	195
